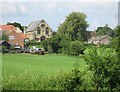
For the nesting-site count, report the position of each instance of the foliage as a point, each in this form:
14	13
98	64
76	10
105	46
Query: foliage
44	44
54	43
15	24
4	37
68	82
59	44
74	26
105	68
76	48
33	42
105	30
4	49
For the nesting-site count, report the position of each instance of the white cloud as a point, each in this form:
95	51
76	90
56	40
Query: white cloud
12	8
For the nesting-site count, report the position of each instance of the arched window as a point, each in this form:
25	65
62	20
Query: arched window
42	25
38	30
47	31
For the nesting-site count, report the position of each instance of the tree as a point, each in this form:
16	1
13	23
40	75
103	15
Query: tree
75	26
76	48
45	45
15	24
54	43
105	30
4	37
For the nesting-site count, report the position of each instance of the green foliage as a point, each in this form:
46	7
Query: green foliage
54	43
59	44
33	42
68	82
15	24
4	37
74	26
106	31
76	48
105	68
44	44
4	49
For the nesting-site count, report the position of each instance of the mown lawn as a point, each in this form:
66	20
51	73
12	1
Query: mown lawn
45	64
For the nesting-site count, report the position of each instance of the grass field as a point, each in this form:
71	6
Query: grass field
46	64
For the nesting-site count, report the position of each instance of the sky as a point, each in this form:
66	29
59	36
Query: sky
54	13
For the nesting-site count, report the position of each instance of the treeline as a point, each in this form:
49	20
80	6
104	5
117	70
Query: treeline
72	34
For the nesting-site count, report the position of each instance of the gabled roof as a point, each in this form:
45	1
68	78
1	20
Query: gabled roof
98	38
1	41
7	27
33	25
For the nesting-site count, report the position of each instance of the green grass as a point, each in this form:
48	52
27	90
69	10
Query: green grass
37	64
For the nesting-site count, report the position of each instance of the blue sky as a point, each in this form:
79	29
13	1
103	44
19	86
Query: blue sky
54	13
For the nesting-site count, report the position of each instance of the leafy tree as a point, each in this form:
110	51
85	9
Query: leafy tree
59	43
4	37
44	44
15	24
54	43
105	30
76	48
75	26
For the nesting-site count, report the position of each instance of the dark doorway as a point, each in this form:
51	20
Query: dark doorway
42	38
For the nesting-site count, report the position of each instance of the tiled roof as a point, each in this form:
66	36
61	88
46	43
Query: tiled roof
33	25
22	35
97	38
7	27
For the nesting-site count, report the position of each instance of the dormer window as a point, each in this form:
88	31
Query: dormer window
38	30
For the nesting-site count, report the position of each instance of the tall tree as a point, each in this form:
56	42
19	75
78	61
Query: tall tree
75	26
105	30
16	25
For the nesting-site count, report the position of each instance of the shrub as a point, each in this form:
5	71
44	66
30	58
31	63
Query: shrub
105	67
68	82
4	49
76	48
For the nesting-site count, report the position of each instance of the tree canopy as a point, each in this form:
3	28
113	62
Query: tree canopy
15	24
75	26
105	30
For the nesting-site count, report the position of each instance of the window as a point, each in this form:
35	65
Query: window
47	30
11	37
38	30
42	25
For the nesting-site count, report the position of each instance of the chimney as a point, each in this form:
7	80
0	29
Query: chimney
24	29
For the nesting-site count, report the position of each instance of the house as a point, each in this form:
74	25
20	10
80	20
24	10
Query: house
16	37
91	34
105	39
38	30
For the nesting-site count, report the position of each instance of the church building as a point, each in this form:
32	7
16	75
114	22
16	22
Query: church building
38	30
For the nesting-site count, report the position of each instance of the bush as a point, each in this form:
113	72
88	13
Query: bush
105	67
67	82
76	48
33	43
4	49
